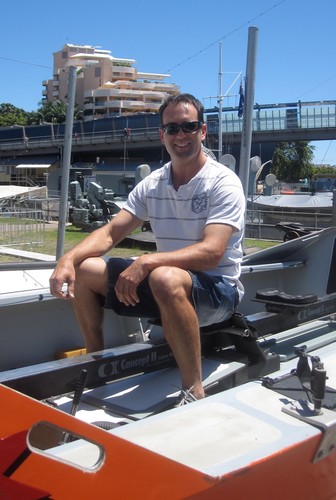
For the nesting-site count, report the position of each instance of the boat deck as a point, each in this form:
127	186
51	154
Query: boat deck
224	432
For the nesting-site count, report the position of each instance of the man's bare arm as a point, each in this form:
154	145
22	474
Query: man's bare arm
96	244
197	257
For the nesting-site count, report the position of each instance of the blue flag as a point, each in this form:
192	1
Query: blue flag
241	101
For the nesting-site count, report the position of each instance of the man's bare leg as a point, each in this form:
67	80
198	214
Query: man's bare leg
90	286
171	288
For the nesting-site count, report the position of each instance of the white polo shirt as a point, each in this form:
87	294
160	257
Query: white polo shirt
178	217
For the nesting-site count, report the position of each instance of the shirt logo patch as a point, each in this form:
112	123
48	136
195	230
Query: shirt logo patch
199	203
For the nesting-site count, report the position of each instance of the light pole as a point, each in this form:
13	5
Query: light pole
255	180
261	169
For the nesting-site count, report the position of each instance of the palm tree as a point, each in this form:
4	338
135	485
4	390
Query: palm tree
52	112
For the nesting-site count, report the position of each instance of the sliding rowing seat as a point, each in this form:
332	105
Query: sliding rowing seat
274	295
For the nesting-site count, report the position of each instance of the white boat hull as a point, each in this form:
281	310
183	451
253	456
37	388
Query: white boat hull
245	438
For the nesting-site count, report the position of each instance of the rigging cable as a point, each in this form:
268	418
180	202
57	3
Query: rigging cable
25	62
227	35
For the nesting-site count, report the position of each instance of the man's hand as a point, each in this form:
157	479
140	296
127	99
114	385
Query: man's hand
63	273
129	280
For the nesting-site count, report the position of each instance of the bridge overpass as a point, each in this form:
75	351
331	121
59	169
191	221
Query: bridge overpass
136	138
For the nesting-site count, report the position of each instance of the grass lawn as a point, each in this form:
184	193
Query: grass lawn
74	235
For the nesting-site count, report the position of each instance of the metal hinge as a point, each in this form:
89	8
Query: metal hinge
325	420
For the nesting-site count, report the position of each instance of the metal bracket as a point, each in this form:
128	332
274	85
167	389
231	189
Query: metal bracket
325	420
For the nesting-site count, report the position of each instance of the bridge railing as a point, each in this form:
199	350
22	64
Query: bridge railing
265	118
273	118
116	136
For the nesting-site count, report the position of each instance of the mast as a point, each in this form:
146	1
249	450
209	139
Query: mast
63	208
220	106
246	138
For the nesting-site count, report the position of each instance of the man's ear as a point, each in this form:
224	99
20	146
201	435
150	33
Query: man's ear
161	135
204	131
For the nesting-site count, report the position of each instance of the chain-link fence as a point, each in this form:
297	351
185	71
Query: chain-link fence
281	225
24	227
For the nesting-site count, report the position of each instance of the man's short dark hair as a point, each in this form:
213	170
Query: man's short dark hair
182	98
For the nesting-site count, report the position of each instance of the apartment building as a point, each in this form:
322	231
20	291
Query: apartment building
106	85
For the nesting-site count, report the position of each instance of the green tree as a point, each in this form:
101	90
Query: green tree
293	161
10	115
35	118
52	112
324	169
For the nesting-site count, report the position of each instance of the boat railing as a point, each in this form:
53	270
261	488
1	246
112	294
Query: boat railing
27	265
272	266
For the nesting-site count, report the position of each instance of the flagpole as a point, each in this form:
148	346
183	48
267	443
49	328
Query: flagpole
126	134
246	137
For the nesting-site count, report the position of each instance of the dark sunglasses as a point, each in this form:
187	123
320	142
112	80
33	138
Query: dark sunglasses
187	127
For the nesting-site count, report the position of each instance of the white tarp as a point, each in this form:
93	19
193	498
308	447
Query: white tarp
32	165
11	191
299	201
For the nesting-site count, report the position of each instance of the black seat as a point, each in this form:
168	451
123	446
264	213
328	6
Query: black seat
276	295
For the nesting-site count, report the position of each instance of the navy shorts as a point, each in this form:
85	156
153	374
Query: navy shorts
214	299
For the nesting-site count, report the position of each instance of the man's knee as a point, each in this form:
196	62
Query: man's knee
84	268
167	283
92	273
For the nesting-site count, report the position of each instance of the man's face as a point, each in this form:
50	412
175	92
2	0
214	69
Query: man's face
182	144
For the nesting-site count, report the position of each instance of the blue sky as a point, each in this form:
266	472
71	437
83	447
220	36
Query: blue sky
295	54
